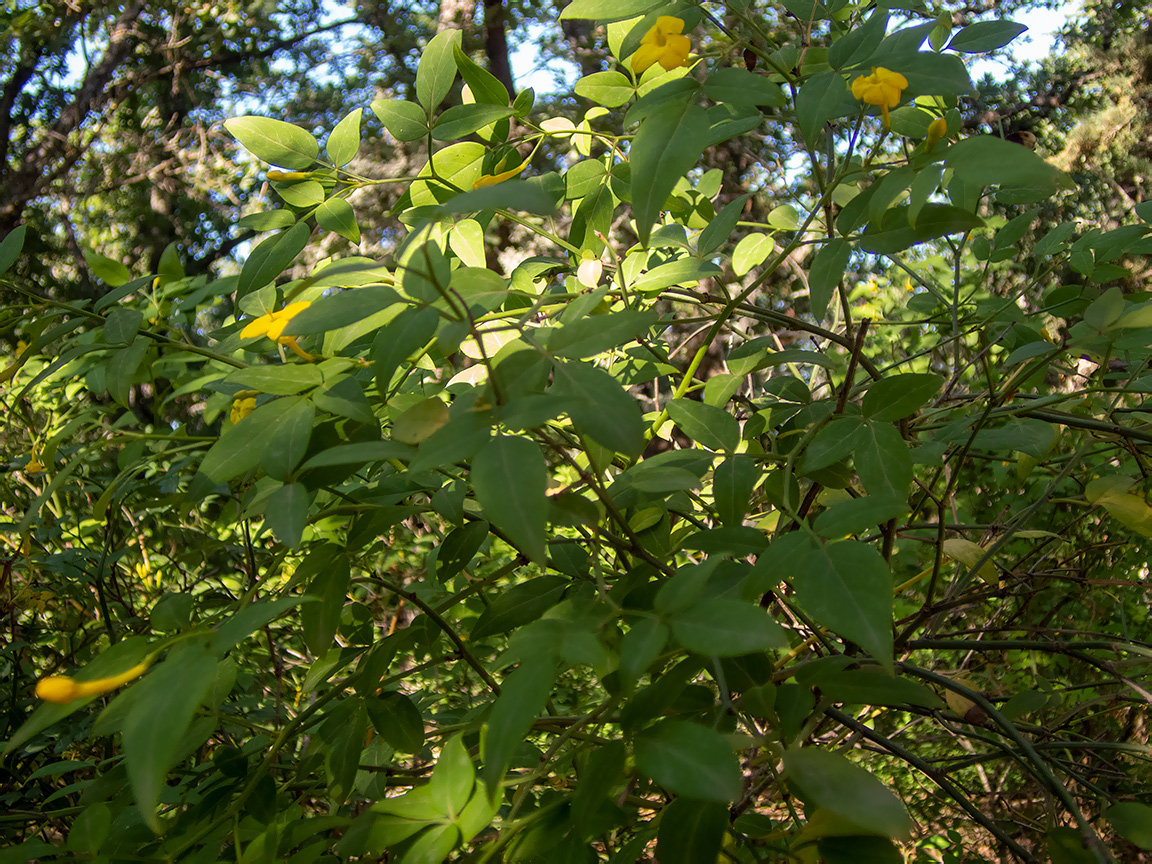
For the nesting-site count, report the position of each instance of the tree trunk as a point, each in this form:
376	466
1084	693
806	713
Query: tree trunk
496	44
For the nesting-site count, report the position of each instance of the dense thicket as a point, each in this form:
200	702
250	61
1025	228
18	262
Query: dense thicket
738	455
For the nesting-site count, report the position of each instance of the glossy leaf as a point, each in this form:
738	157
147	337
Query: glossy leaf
897	396
689	760
726	628
161	707
344	142
437	69
274	141
833	783
510	478
847	587
667	146
521	700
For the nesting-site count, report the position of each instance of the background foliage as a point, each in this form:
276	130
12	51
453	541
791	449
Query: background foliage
687	466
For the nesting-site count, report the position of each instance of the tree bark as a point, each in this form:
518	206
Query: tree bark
496	44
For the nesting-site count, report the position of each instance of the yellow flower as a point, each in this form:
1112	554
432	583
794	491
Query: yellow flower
663	44
243	404
62	689
492	179
882	87
34	466
272	325
937	129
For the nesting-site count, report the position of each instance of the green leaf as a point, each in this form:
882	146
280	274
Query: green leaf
459	548
160	709
599	407
339	310
741	87
689	760
859	43
834	784
89	830
895	233
510	479
607	10
437	69
691	831
406	121
928	73
286	438
820	99
847	587
596	334
883	460
707	425
986	160
825	273
640	647
10	247
286	513
397	720
610	89
868	687
402	337
344	142
420	421
250	619
682	271
336	215
106	270
485	86
461	120
1132	821
985	36
523	695
733	482
240	447
454	779
717	232
510	195
270	257
121	326
897	396
666	147
285	379
274	141
751	251
320	620
857	515
726	628
359	454
519	605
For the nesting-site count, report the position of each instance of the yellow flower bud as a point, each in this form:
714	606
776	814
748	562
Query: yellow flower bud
278	176
937	129
61	689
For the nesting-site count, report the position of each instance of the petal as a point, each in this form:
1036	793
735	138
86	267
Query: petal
860	86
895	79
669	25
256	327
645	56
57	688
294	309
676	54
